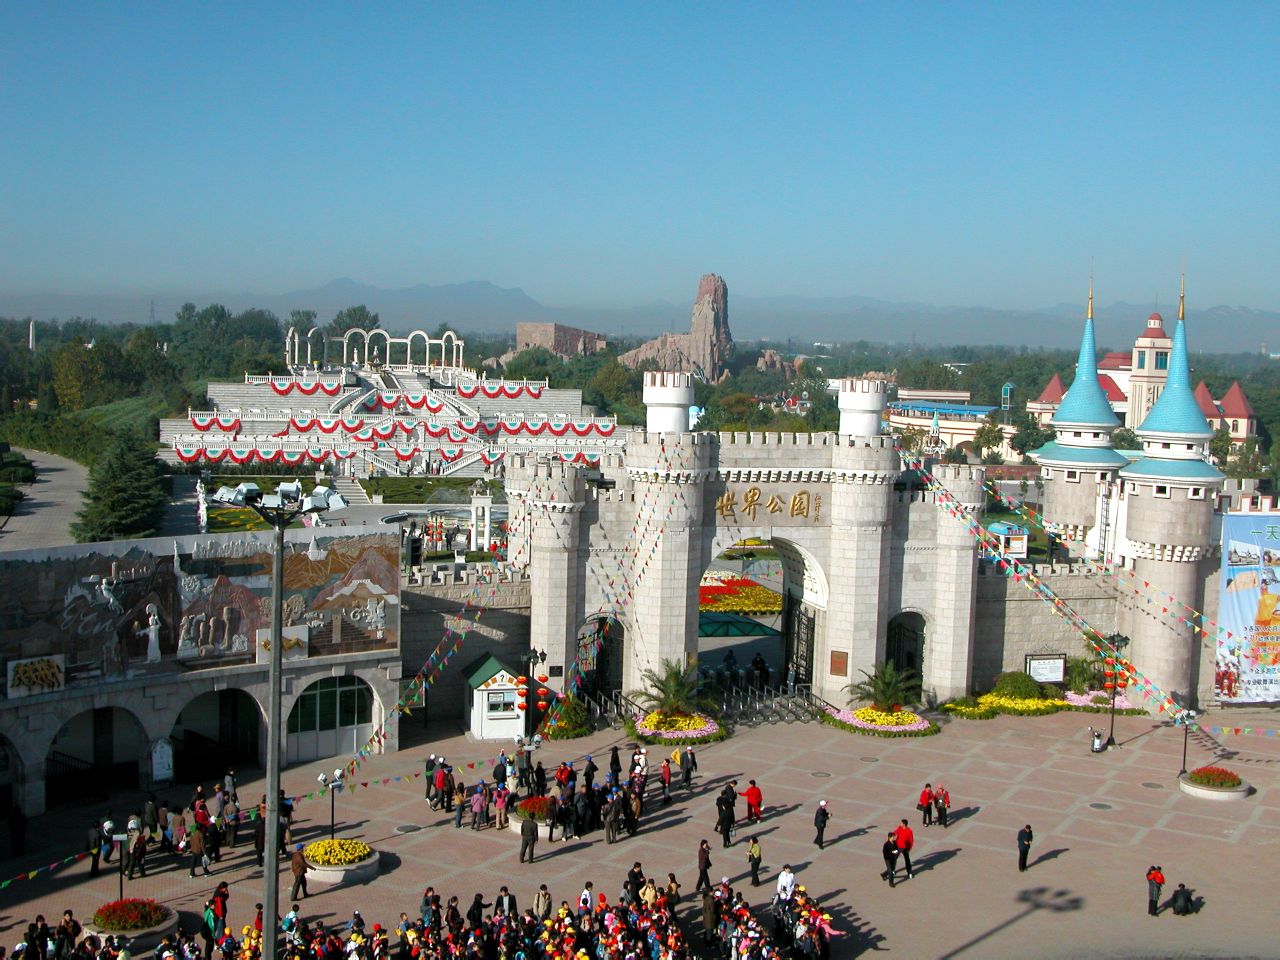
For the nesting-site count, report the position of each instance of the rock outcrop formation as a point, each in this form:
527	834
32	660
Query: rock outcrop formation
705	350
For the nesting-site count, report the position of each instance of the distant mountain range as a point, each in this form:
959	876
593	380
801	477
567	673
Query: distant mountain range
484	308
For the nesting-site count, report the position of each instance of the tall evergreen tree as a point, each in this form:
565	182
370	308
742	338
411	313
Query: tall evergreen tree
128	490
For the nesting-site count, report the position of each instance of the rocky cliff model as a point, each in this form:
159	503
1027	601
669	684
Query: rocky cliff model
706	349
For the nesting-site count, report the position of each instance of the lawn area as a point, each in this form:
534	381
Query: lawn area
1037	540
426	489
130	413
239	520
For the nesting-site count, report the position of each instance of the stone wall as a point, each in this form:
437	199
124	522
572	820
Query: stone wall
502	629
559	339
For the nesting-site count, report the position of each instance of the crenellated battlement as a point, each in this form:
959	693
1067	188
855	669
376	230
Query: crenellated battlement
658	379
850	385
958	472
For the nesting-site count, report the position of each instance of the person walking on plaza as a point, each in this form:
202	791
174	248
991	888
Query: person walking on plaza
1024	847
589	772
528	838
925	805
704	865
906	840
724	818
753	858
687	766
1155	882
138	853
664	776
298	864
755	801
198	856
820	818
890	853
941	804
786	884
93	844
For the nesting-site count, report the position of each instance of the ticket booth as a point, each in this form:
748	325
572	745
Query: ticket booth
492	711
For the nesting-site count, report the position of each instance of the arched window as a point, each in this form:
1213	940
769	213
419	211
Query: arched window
330	703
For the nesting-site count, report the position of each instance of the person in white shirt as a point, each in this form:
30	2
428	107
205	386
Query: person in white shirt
786	883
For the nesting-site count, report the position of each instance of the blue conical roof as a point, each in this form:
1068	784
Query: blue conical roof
1086	403
1176	411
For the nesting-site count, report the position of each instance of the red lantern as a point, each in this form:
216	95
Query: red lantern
1108	685
1108	673
520	680
542	704
1121	684
542	678
543	691
520	706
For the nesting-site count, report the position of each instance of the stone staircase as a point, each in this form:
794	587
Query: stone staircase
351	491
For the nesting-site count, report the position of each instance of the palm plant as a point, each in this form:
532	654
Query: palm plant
670	689
885	688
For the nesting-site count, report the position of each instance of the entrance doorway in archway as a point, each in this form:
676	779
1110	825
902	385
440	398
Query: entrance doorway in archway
216	730
905	646
332	716
94	752
798	662
601	646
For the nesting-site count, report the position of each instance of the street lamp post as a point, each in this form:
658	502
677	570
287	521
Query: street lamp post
332	786
1118	643
534	658
1188	717
278	509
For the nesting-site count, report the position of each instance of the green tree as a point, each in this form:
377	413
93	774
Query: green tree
954	455
128	490
671	689
352	318
1030	436
1246	463
989	436
78	376
1125	439
302	321
1220	446
885	688
912	438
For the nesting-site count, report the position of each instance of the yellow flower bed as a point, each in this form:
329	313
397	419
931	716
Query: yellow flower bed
673	721
993	701
337	853
756	599
879	718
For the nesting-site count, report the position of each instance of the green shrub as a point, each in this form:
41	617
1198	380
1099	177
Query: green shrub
1019	685
1083	673
572	720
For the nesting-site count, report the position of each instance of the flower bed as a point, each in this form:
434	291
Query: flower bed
990	704
737	595
1219	777
877	723
144	921
676	729
1098	702
341	861
1214	783
534	808
129	914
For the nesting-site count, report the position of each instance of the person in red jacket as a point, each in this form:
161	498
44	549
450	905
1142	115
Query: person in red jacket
755	799
925	805
905	840
941	803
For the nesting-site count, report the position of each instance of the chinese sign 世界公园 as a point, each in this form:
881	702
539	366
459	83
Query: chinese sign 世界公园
752	504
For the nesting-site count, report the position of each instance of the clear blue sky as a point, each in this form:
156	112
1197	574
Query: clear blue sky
608	154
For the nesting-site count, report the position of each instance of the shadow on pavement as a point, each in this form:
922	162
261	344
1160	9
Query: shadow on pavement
1033	900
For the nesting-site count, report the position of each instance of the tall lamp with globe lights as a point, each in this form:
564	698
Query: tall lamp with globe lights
332	786
532	682
287	505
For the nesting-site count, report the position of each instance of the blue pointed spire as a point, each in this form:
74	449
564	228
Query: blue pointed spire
1086	403
1176	411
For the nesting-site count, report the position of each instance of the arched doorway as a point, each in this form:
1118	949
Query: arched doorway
905	643
601	646
93	753
218	729
332	716
10	774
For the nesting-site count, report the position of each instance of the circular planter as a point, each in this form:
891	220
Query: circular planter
1214	793
513	825
139	940
360	872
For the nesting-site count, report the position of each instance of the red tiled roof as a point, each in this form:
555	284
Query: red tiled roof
1116	361
1205	400
1054	392
1154	328
1111	388
1235	403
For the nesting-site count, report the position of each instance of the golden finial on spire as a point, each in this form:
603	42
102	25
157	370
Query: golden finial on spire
1089	315
1182	297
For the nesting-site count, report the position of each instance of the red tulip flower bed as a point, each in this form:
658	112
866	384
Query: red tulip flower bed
534	808
738	595
130	914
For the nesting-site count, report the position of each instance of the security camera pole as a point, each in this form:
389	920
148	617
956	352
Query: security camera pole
279	509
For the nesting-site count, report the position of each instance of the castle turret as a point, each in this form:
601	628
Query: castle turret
1169	500
1150	368
667	399
1079	462
948	648
865	466
862	404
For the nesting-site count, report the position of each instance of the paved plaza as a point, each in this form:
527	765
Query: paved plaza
1099	822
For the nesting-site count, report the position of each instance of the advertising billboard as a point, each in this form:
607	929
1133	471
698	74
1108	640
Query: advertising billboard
1248	669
